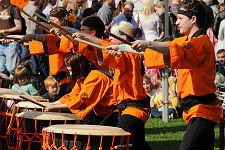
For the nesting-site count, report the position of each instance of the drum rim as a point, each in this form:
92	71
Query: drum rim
73	129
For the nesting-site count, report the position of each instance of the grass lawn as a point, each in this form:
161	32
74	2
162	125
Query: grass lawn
168	136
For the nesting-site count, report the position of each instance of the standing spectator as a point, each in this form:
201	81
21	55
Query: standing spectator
148	21
49	7
219	17
221	36
160	10
105	13
126	15
39	61
174	6
10	24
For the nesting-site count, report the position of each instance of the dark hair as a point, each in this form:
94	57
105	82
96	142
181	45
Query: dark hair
119	8
220	51
196	8
94	22
88	12
59	12
96	6
80	66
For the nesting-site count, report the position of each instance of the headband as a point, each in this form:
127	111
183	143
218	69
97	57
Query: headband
59	15
186	13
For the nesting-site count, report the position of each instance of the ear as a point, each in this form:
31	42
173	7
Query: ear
93	32
193	19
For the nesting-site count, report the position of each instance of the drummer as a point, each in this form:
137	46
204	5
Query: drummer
92	89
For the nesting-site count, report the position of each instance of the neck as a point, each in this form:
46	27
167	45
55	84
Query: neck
192	31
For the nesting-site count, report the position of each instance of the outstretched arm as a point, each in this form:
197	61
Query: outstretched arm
141	45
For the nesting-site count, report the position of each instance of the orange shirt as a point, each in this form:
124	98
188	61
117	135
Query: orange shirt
95	93
195	59
156	61
128	81
56	49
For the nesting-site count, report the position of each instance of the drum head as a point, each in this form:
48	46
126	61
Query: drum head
54	116
30	105
94	130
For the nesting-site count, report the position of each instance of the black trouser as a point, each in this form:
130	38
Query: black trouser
199	135
130	124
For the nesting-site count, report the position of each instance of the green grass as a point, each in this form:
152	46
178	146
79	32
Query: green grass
168	136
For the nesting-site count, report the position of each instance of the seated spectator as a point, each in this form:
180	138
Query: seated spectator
22	77
158	102
149	88
54	92
220	71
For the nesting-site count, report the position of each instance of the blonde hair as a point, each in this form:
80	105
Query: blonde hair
123	26
50	81
70	6
160	4
147	8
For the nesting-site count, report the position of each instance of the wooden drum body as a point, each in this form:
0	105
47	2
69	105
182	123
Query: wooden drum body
31	124
89	137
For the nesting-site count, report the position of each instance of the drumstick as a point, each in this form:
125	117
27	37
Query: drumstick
122	146
117	37
29	97
69	33
32	19
13	38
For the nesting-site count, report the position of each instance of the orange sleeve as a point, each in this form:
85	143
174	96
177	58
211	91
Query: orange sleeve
36	47
153	59
91	94
188	54
53	44
112	61
19	3
66	45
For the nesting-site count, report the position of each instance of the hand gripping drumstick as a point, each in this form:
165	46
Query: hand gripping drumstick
69	33
29	97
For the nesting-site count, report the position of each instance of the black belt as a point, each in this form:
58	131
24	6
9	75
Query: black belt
190	101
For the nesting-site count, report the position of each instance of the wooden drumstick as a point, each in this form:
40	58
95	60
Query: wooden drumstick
123	146
29	97
69	33
118	38
32	19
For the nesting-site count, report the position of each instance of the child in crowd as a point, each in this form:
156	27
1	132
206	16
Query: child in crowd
54	92
149	88
158	102
52	88
22	77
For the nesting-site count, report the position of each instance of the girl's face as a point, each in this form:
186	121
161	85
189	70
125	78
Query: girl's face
159	10
147	86
22	81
